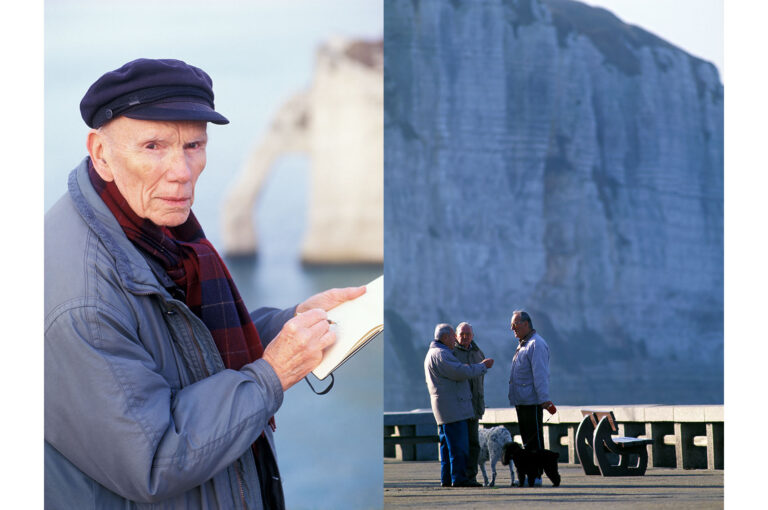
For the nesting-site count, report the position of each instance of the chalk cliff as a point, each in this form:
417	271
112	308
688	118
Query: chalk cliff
338	124
545	155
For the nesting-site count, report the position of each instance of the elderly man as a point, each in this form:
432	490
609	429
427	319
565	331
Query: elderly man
529	382
468	352
451	404
158	386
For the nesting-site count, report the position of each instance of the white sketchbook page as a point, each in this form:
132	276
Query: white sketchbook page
354	319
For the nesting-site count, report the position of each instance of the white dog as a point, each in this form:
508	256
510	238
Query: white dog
491	444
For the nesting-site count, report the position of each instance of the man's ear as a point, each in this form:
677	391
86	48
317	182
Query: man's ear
96	143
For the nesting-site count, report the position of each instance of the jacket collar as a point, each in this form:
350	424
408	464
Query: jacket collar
438	345
527	337
132	268
472	346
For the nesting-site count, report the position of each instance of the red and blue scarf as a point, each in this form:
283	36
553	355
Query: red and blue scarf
198	270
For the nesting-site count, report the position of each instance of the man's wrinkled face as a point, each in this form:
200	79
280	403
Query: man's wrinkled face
464	333
154	165
449	340
520	327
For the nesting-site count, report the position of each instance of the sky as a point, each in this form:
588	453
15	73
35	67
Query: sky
694	25
746	272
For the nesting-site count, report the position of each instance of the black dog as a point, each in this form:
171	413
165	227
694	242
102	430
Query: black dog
529	462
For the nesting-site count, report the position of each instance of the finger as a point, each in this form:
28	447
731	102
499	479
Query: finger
311	317
346	292
327	340
339	296
318	329
354	292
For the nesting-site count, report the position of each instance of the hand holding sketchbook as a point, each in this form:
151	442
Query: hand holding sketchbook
357	322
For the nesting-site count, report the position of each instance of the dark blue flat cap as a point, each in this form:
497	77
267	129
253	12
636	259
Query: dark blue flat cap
149	89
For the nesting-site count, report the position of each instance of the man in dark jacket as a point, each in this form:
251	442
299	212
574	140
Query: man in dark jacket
160	386
468	352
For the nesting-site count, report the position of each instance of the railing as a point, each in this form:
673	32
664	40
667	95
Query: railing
686	437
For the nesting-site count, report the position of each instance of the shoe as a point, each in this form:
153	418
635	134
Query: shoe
445	484
467	483
537	482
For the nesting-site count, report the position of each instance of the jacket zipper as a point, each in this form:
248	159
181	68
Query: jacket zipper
194	342
240	484
512	376
238	475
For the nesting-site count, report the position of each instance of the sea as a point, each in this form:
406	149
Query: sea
258	54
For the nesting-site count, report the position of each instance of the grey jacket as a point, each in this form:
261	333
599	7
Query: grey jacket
447	377
470	356
139	409
529	376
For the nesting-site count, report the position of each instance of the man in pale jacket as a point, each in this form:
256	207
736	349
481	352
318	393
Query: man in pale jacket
529	382
451	402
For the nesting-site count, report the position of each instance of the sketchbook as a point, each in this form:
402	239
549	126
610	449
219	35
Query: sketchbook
356	322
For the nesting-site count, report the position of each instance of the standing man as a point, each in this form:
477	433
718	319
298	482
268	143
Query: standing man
451	404
529	382
160	385
468	352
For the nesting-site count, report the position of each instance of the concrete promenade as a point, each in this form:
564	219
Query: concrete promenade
416	484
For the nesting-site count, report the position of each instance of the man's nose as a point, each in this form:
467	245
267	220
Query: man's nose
179	169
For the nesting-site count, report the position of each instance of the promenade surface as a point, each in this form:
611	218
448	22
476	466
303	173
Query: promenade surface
416	484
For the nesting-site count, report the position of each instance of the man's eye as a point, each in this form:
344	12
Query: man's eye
151	146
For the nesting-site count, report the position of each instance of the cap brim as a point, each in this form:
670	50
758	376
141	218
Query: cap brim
177	110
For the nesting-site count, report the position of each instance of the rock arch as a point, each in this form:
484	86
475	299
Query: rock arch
338	123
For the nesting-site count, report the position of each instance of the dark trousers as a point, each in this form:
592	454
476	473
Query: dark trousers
454	447
474	448
530	419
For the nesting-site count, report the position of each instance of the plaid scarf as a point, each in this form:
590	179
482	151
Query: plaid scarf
195	266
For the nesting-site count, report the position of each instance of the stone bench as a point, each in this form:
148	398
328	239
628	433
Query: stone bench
595	439
626	448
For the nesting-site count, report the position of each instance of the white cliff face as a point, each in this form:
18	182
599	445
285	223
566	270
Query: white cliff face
338	123
546	156
346	203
